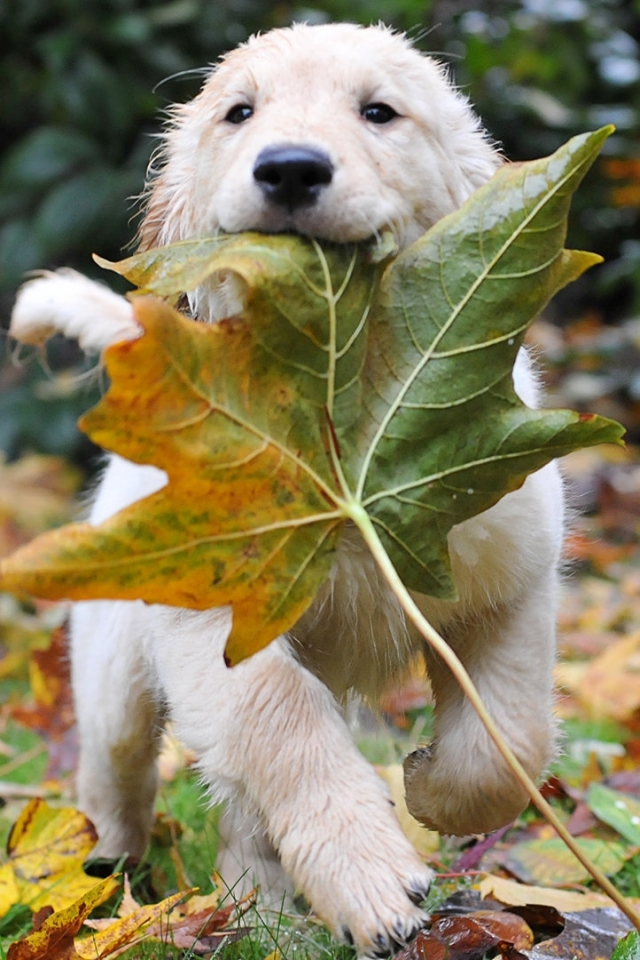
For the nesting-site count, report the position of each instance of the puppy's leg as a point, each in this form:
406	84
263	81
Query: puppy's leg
269	734
247	858
461	784
119	725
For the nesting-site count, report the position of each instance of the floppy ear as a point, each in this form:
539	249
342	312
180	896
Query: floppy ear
477	159
167	200
475	156
467	155
157	200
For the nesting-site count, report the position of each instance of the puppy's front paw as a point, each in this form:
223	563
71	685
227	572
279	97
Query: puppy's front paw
389	918
367	886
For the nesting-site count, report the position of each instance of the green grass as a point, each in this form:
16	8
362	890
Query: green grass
185	843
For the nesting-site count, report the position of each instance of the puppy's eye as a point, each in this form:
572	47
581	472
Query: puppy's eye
378	113
239	113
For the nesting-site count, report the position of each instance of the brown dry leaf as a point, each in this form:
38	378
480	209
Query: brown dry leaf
54	937
128	904
200	923
47	848
470	936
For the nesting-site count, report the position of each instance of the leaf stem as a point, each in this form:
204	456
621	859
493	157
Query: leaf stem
442	648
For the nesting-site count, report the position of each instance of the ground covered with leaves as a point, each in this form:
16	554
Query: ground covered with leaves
517	893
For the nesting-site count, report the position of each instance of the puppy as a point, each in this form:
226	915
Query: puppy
336	132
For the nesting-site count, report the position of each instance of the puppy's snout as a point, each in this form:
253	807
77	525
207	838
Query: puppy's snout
292	176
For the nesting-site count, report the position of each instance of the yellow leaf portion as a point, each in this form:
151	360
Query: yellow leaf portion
54	938
9	890
114	935
47	848
514	894
425	841
170	921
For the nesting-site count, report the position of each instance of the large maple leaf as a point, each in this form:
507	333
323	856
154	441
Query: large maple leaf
353	387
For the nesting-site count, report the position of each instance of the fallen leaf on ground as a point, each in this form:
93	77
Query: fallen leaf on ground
470	937
198	924
550	862
52	713
514	894
111	937
610	684
54	938
36	492
616	809
47	847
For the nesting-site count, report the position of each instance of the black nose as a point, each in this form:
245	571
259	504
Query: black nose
292	176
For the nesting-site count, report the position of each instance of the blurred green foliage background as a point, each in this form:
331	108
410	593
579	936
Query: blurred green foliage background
84	83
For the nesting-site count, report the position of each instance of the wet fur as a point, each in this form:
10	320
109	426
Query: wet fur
270	735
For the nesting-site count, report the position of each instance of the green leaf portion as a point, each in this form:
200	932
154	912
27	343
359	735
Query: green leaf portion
616	809
550	863
442	435
308	304
628	948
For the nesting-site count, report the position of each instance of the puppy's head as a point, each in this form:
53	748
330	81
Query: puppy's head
333	131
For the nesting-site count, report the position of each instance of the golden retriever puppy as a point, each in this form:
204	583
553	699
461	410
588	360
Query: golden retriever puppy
336	132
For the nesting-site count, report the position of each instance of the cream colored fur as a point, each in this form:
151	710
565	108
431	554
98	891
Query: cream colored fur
270	735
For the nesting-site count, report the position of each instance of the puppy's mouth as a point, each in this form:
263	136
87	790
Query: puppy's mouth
313	223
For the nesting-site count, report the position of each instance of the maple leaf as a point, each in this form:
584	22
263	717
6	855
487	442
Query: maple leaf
244	513
352	387
47	847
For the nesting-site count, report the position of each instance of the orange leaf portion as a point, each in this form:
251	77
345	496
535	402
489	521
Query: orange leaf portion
242	515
